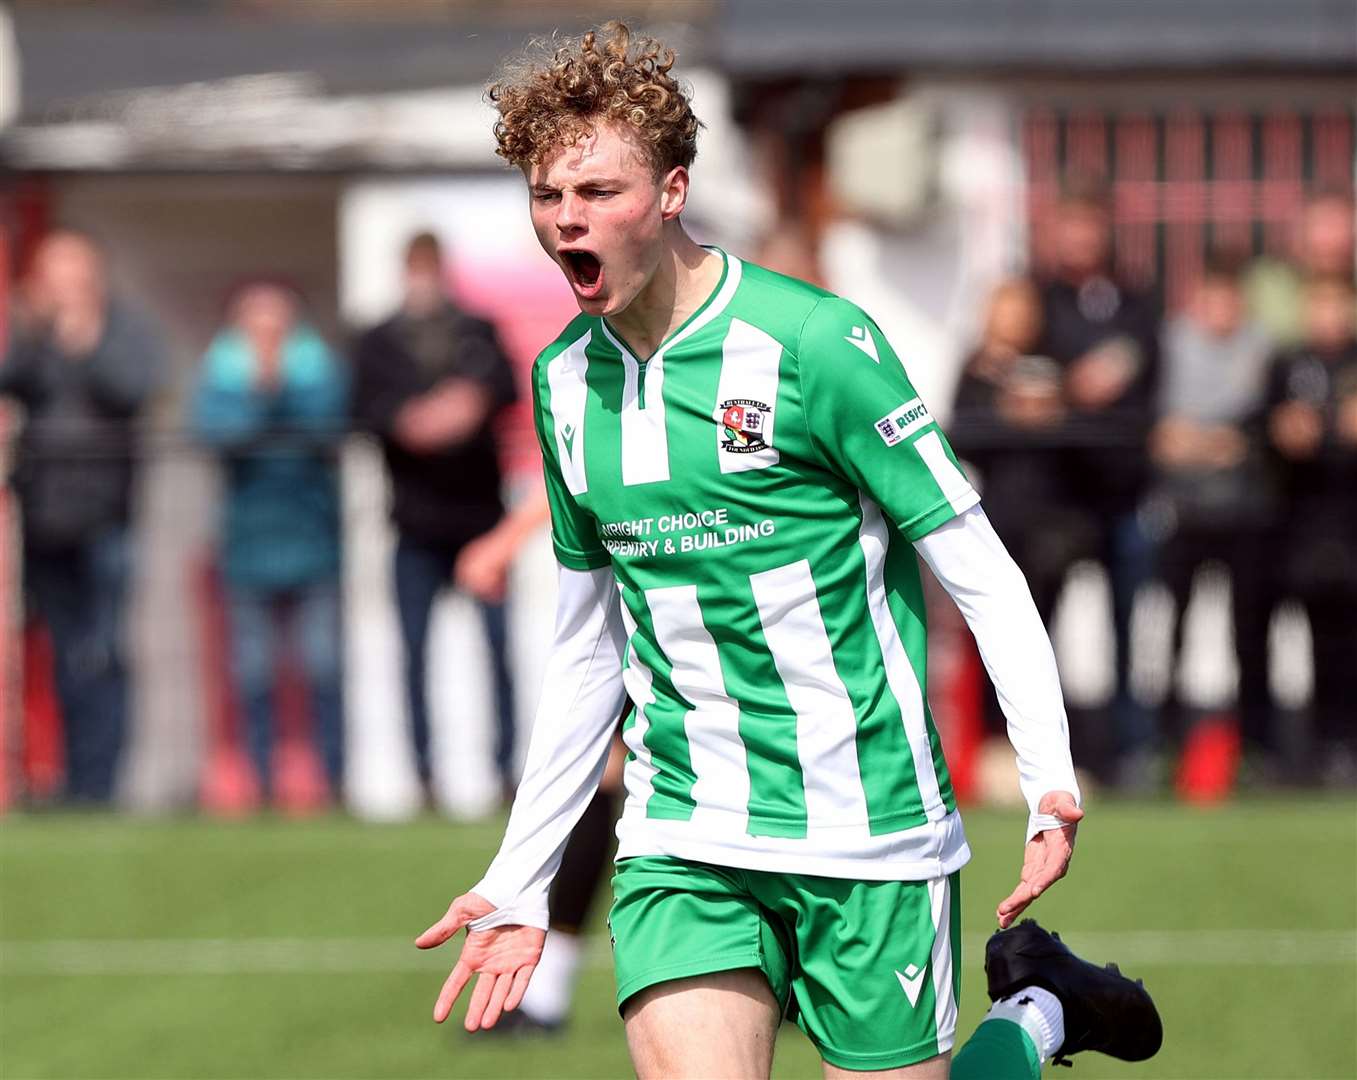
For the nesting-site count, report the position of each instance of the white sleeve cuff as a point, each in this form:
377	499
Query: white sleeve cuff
1040	823
510	916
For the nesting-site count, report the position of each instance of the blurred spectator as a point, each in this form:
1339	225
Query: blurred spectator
1323	247
1104	335
1007	416
1210	500
789	248
430	381
84	367
482	568
271	398
1312	427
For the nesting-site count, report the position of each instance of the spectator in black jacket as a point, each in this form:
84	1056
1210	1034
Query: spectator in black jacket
1104	335
83	367
1312	429
1007	421
430	380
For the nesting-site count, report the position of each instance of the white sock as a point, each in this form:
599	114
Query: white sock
1038	1012
548	996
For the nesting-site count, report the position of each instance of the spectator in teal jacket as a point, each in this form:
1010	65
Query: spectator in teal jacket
272	399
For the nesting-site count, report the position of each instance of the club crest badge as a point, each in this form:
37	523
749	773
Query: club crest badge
744	421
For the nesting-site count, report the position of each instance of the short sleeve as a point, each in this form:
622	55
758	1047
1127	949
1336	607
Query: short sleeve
869	426
574	531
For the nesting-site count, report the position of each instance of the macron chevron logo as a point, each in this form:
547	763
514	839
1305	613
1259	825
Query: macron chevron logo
568	437
911	982
862	338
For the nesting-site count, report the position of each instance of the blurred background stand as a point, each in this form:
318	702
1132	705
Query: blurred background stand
908	156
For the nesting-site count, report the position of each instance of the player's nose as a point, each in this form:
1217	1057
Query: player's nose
570	215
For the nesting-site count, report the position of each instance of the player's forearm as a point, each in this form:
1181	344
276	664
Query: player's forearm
969	559
582	695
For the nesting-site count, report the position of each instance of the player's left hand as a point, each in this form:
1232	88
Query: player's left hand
504	958
1046	857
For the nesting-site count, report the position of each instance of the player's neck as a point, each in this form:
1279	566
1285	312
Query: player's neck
685	278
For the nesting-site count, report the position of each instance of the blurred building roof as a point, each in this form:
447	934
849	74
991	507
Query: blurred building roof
72	52
305	84
280	84
778	37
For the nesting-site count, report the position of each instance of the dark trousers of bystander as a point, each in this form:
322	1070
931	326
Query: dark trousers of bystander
80	593
1046	549
421	573
1242	551
1333	631
1128	554
1321	572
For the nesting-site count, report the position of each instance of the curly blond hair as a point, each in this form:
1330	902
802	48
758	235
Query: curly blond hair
557	92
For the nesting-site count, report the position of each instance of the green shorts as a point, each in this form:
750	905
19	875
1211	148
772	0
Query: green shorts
870	970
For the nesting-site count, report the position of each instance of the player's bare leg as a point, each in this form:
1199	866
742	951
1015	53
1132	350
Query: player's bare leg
704	1028
935	1068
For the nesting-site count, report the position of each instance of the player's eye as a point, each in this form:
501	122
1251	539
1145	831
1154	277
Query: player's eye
545	196
601	193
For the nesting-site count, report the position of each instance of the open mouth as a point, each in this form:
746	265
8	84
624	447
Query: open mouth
584	269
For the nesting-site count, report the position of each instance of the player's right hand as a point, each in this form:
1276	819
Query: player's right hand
1046	857
503	959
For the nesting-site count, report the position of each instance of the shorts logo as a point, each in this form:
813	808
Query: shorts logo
903	421
744	422
911	982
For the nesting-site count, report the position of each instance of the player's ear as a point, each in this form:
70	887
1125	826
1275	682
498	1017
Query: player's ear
673	192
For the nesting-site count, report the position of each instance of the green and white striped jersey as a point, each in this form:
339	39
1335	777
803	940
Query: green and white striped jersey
755	486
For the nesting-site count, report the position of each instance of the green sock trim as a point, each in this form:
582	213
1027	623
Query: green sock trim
999	1050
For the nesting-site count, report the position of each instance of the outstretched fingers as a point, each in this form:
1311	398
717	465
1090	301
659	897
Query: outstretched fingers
1027	889
498	996
452	989
519	987
1046	860
1014	904
480	1000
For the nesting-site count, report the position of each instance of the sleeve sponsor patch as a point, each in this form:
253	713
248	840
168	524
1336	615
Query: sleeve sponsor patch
903	421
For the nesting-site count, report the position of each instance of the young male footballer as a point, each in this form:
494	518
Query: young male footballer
741	479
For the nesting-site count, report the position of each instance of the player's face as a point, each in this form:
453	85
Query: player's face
599	210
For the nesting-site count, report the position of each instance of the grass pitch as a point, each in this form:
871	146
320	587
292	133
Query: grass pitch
188	948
